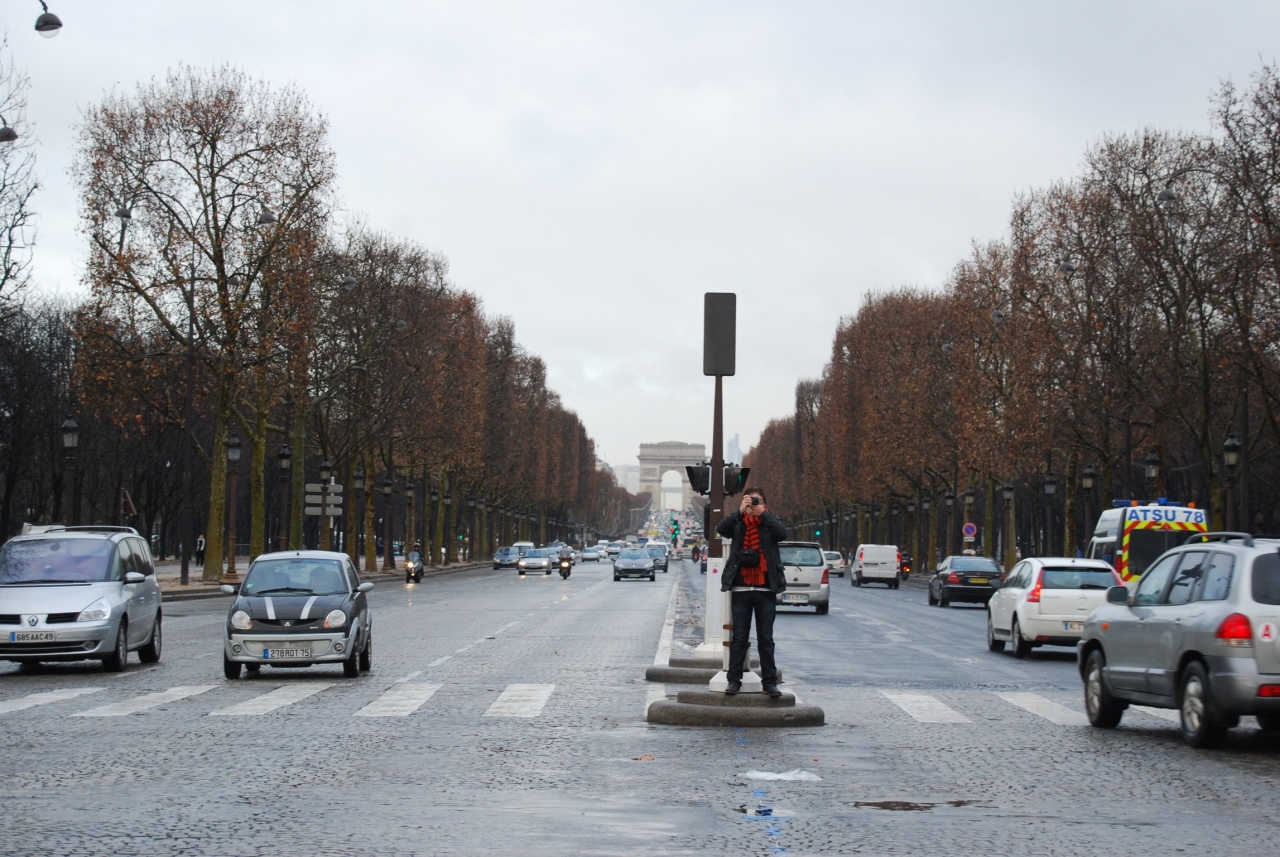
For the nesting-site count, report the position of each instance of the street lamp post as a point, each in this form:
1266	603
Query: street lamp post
410	518
284	458
388	560
1050	488
968	509
1151	465
1010	529
931	546
326	473
471	526
233	467
432	510
914	526
1087	479
448	537
1231	460
950	499
70	443
358	483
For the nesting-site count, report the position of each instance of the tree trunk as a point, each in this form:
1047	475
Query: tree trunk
370	538
989	520
299	475
1070	531
215	524
258	484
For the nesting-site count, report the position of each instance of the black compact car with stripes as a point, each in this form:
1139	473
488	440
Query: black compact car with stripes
298	609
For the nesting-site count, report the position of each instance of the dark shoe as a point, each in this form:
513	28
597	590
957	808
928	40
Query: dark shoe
733	688
772	690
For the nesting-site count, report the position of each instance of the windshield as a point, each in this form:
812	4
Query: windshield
1078	578
58	561
615	544
295	576
972	563
1145	546
656	552
537	552
633	553
795	555
832	556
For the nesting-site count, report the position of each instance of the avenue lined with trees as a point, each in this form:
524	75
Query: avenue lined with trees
234	325
1119	344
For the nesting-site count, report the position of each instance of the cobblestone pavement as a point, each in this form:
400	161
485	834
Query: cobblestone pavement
506	715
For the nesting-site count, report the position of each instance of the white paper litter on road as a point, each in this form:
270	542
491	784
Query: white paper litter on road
789	776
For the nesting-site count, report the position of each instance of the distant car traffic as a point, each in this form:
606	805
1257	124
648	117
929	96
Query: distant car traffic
1044	602
614	547
633	562
591	554
659	554
1199	632
963	578
506	557
79	593
296	609
808	581
536	559
876	564
835	562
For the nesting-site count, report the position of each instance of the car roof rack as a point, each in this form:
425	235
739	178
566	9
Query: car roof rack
1199	538
101	528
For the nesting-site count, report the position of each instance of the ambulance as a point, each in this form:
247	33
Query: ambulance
1131	537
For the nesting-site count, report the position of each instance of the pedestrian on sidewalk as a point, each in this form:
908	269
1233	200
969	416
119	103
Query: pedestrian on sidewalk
200	550
753	574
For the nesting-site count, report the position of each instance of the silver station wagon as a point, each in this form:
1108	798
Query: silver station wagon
1199	633
79	593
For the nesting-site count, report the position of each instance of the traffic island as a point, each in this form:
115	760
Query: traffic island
708	708
691	670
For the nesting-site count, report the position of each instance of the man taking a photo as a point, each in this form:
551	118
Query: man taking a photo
753	574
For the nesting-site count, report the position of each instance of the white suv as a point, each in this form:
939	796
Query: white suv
1045	601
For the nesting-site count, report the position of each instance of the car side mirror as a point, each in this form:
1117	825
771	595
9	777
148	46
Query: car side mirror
227	589
1118	595
134	577
365	587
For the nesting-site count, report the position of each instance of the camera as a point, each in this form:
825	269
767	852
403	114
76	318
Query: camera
755	501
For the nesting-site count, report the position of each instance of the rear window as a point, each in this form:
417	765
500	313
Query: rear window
795	555
1078	578
1266	579
972	563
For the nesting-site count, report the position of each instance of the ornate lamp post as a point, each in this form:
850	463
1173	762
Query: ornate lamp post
410	518
284	458
233	467
388	557
449	538
431	524
357	481
70	443
913	524
1231	460
48	24
926	503
471	526
1050	488
1151	465
950	499
1010	528
1087	478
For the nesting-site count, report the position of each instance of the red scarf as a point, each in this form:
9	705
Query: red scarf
753	576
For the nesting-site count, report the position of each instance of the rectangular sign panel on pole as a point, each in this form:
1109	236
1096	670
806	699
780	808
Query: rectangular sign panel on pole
317	487
719	332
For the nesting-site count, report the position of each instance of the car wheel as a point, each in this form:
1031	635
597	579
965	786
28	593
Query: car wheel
408	578
992	643
119	657
1203	725
547	572
652	576
1021	646
1268	722
1103	710
893	585
857	581
943	600
351	666
366	656
496	567
150	653
932	600
253	669
230	668
823	609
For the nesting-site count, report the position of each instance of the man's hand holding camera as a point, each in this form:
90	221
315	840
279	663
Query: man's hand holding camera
752	504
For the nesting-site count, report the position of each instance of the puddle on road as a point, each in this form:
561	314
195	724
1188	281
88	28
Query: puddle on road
911	806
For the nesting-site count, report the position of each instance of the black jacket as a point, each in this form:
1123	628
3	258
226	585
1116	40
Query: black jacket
772	531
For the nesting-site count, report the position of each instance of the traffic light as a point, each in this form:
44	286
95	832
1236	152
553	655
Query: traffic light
699	478
817	533
735	479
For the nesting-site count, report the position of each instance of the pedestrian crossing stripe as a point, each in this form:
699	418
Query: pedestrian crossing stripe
33	699
1046	708
400	701
268	702
521	700
146	701
924	708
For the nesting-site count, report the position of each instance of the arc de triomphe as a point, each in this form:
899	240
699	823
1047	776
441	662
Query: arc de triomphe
656	459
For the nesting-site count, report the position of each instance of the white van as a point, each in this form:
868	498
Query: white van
877	564
523	547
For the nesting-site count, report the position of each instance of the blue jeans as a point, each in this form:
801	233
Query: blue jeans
764	606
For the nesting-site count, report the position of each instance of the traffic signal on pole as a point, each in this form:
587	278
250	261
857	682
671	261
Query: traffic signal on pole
699	478
735	479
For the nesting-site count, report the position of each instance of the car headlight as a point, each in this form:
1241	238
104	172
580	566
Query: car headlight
240	620
520	563
95	612
335	619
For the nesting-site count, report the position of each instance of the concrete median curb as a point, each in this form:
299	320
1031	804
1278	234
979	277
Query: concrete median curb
664	712
685	675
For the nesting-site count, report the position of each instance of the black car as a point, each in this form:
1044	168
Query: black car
296	609
659	555
506	557
633	562
963	578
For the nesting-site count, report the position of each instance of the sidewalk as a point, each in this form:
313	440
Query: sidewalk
169	573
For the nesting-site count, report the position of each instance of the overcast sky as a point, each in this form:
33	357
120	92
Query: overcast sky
592	168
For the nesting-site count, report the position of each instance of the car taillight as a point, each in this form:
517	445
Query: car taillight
1269	690
1235	630
826	575
1034	595
953	578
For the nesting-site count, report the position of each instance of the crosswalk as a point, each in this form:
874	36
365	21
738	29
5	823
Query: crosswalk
401	699
926	708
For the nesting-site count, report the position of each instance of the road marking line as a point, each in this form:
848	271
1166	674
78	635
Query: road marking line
463	649
400	701
44	698
521	700
505	627
268	702
411	675
149	700
923	707
663	656
1049	710
438	661
1162	713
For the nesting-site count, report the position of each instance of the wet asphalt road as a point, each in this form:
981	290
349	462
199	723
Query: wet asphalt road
512	721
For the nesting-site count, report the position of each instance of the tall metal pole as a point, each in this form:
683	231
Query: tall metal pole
188	419
717	471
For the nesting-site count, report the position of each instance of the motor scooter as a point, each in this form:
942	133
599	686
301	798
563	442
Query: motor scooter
566	566
413	567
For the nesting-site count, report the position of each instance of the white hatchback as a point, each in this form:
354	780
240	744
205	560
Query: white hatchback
1044	602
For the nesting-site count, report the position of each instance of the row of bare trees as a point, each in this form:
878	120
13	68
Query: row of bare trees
228	311
1124	334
